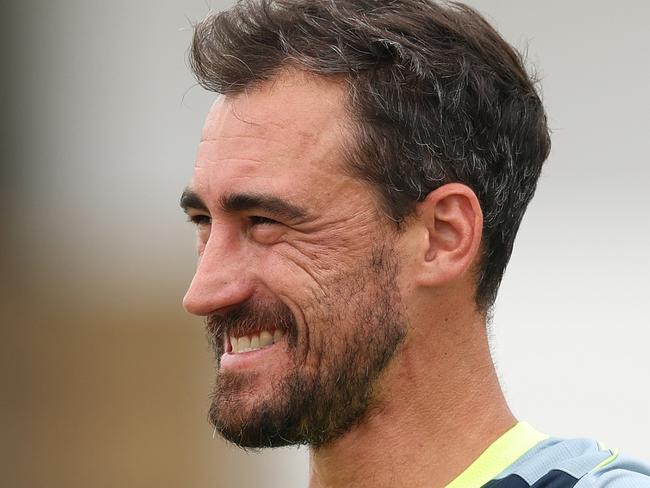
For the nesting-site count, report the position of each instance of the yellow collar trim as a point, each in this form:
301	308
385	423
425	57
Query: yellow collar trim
496	458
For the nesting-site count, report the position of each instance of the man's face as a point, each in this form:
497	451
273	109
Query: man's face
297	269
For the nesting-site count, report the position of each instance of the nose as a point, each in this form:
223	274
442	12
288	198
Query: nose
221	279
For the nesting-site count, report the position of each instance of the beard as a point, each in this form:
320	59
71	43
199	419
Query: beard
352	328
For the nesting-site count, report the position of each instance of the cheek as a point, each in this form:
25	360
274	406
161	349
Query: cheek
286	277
323	259
299	278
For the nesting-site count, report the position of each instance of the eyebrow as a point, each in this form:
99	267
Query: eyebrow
239	202
190	199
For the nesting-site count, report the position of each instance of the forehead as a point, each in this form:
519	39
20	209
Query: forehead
293	101
291	127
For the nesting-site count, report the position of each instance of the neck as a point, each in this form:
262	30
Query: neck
438	407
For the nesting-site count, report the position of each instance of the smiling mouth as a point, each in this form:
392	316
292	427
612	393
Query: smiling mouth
253	342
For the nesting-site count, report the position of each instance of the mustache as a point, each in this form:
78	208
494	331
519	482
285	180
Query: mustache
249	318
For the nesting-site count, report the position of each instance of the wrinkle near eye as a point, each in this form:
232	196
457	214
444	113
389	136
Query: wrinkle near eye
324	253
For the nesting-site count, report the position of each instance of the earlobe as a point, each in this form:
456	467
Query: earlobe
453	221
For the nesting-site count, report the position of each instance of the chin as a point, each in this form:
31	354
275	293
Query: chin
251	410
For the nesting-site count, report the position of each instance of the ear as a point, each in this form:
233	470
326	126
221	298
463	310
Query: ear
452	219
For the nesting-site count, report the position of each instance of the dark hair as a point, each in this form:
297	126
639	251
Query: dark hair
436	96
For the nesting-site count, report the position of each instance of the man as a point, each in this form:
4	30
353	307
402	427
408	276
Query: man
357	191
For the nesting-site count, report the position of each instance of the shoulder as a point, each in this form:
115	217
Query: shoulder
573	463
617	471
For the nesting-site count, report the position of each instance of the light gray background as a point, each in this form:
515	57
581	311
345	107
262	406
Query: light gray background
106	379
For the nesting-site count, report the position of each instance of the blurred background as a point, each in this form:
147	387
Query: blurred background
106	379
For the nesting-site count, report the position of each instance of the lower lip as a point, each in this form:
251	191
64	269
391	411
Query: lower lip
250	359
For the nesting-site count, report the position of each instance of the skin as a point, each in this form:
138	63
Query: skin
438	403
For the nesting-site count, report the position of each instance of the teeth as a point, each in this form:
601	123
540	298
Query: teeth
254	342
243	344
266	339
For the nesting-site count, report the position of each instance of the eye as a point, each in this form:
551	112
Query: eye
265	230
203	225
199	219
259	220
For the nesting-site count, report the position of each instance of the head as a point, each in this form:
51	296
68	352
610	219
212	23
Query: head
351	136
